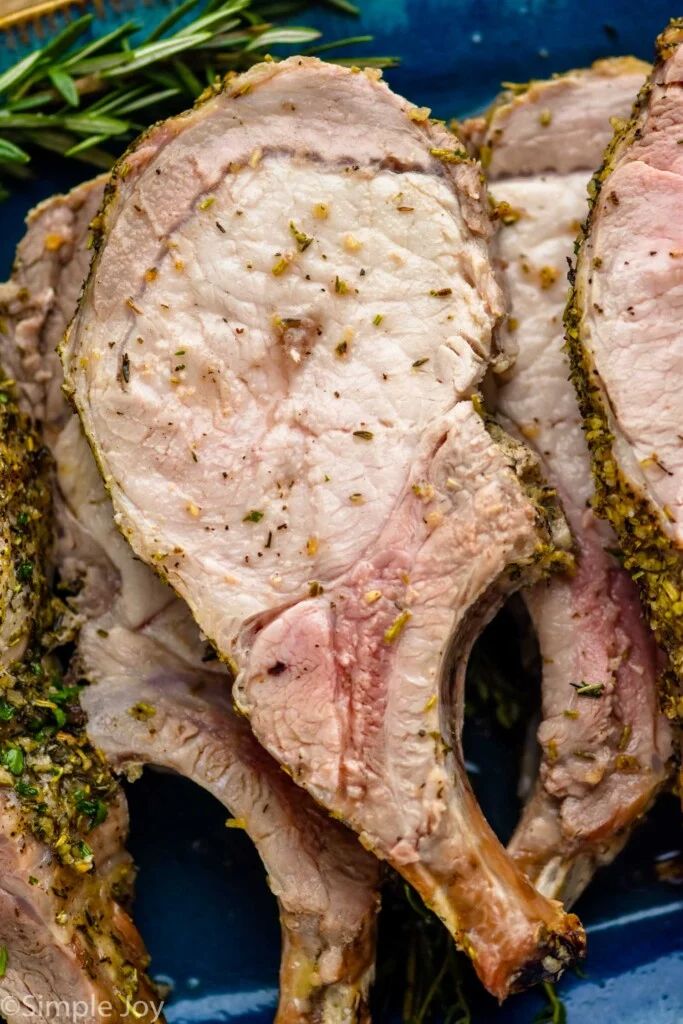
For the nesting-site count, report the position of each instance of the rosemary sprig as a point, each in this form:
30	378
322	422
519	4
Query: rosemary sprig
418	964
86	98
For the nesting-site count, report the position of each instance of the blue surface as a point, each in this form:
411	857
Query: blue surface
202	903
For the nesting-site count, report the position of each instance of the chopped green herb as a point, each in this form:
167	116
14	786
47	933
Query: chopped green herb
142	711
302	240
420	362
377	319
4	957
365	435
65	695
440	293
93	809
59	716
589	689
14	760
254	516
84	850
7	712
25	789
340	286
25	571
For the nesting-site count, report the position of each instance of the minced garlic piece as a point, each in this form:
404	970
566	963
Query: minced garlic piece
312	545
53	242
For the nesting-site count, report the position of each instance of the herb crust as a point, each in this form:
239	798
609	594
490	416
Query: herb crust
648	554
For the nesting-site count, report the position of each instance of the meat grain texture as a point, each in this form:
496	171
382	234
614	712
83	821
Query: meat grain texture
274	361
625	345
604	742
153	697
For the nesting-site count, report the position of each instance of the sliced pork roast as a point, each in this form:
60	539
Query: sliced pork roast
623	330
604	742
153	696
65	940
275	357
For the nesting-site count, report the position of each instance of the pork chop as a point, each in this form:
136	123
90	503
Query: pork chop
604	742
304	462
65	939
153	697
625	345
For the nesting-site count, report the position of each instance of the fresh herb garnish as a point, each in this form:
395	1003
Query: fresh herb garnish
4	956
554	1012
86	98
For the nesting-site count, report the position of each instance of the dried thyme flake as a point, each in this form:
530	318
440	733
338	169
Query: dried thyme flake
627	763
450	156
364	435
397	626
280	266
440	293
302	240
142	711
589	689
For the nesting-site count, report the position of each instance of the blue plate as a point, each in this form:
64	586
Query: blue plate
202	903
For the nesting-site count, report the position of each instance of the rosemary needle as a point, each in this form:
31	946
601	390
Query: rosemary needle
85	99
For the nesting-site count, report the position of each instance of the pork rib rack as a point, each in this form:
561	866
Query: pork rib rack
275	360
